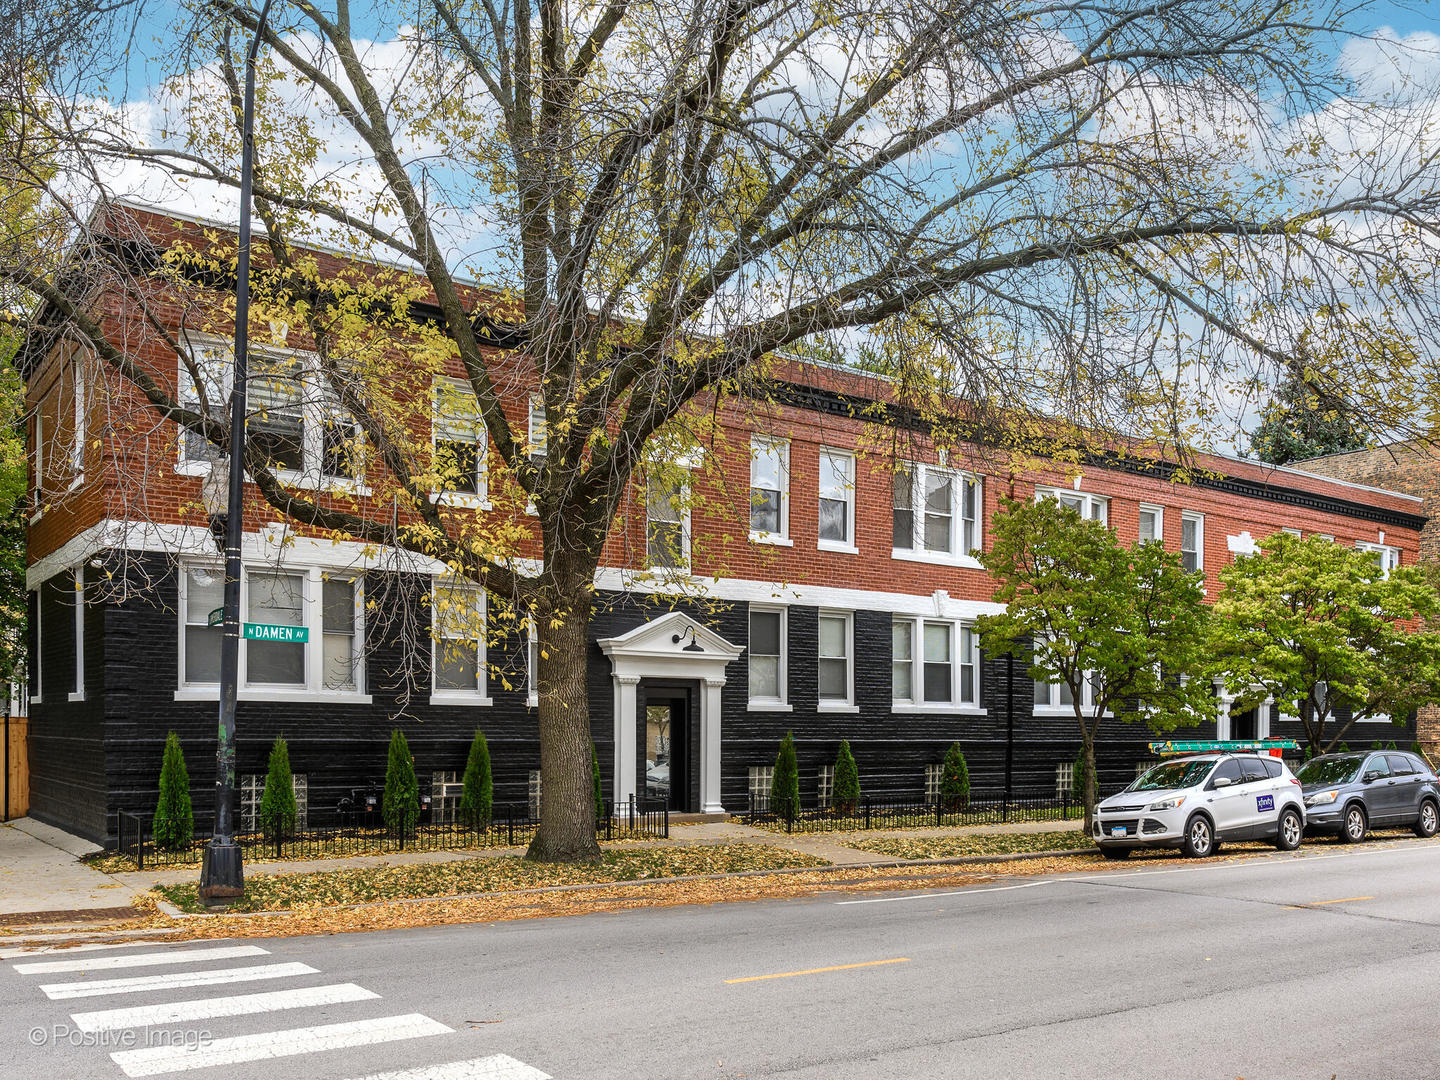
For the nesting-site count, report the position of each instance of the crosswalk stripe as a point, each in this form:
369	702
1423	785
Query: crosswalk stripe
237	1049
151	959
495	1067
173	980
209	1008
89	946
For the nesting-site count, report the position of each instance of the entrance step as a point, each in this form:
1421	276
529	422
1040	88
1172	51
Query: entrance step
696	819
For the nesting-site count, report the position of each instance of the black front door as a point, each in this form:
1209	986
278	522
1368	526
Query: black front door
669	748
1245	724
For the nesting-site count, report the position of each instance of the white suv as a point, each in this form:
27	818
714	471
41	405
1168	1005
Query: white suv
1194	803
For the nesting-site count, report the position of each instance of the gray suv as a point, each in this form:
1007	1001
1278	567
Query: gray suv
1349	794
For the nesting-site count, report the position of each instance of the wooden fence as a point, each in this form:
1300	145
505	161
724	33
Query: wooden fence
14	768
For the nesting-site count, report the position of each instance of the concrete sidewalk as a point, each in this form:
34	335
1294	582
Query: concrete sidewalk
43	880
829	846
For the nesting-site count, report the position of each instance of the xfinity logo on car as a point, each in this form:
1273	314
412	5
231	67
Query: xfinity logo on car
1264	802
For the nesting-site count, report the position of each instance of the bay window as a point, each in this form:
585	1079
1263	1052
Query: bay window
934	663
936	512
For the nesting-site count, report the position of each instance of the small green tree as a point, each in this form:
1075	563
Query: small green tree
846	793
785	784
401	802
173	826
1321	627
1080	778
478	797
955	779
277	804
1117	627
602	812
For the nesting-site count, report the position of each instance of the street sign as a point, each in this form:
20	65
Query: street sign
216	617
273	632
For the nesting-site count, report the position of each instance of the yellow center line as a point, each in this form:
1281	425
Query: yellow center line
819	971
1318	903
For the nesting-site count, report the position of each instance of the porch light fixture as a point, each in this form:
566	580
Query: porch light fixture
222	872
689	632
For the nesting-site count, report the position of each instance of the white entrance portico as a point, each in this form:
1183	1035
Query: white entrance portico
674	646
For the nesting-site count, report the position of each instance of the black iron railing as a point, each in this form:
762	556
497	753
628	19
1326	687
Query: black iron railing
354	832
865	813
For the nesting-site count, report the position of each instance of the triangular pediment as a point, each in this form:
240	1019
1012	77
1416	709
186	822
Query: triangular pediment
674	634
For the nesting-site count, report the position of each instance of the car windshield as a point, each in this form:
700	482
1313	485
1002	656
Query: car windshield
1173	774
1329	770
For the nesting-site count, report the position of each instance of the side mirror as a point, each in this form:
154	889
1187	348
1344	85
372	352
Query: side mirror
1221	781
1370	777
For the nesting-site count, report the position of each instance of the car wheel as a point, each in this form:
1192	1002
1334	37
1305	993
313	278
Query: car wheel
1199	838
1290	831
1428	823
1116	853
1355	825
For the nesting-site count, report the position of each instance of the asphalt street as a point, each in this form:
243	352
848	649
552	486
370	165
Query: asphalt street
1325	963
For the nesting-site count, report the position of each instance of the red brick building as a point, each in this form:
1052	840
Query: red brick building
828	594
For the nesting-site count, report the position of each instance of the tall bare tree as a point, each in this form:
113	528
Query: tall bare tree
1111	214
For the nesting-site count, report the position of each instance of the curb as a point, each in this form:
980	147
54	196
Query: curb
879	864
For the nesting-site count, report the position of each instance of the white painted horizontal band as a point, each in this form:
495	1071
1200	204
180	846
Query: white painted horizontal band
139	984
150	959
495	1067
210	1008
265	1045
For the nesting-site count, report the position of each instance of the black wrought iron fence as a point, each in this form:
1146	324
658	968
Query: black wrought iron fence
361	833
865	813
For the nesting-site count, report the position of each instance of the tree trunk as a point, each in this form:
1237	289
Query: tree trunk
1087	756
567	806
1313	731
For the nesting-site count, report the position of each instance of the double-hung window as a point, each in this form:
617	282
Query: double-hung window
209	394
303	634
1152	524
1057	697
837	500
1192	540
934	664
835	672
937	512
536	421
667	520
457	618
769	490
459	440
767	658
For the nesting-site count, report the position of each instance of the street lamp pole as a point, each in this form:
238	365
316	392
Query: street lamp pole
222	873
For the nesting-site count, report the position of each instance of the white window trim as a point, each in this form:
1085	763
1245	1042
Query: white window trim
537	438
78	694
955	706
38	494
683	491
1199	519
760	443
775	704
1090	499
77	448
480	499
918	552
532	664
314	409
831	704
1159	512
847	546
1290	530
480	695
313	607
1389	553
1056	708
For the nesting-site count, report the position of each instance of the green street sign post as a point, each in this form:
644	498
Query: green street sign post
274	632
216	617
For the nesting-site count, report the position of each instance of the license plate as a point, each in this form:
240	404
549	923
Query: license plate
1118	830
